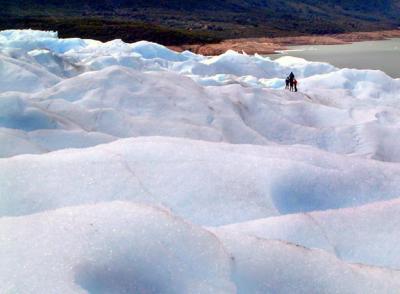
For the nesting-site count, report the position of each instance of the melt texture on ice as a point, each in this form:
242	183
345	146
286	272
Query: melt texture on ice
132	168
207	183
133	248
110	248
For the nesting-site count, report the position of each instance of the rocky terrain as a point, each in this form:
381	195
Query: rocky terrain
271	45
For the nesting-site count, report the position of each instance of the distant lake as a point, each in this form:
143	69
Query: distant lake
383	55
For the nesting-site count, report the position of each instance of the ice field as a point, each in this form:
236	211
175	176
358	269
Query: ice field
131	168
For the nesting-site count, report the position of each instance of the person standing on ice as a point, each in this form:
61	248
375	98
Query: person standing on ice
291	76
291	79
287	82
295	85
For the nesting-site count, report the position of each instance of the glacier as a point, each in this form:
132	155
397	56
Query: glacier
132	168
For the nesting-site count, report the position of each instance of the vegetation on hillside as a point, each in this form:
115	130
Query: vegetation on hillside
174	22
106	29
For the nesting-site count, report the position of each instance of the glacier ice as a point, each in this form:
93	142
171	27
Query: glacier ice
110	248
134	168
364	234
253	181
122	247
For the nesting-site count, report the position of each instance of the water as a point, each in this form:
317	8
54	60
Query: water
382	55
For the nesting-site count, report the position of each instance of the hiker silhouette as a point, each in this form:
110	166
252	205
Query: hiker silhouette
291	82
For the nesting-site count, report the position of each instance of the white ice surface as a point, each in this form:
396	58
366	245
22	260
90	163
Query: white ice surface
224	181
206	183
131	248
110	248
365	234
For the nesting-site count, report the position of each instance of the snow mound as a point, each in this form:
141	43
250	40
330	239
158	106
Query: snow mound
110	248
266	266
130	248
22	77
362	84
180	174
15	142
345	233
150	50
125	90
28	40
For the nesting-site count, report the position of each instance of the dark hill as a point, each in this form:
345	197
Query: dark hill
177	21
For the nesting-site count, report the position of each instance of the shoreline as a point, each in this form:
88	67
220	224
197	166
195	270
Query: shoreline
272	45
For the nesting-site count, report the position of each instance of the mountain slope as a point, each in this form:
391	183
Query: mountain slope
176	22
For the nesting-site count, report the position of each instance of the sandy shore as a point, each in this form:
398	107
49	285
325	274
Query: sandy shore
271	45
